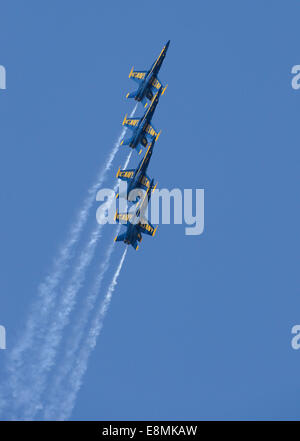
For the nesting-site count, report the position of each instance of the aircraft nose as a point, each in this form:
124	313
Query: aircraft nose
167	44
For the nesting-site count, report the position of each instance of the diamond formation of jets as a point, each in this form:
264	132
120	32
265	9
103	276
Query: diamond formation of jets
144	133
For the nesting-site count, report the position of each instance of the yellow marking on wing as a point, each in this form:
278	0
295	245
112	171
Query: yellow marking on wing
157	136
126	174
155	83
149	129
124	120
118	172
154	232
127	95
130	72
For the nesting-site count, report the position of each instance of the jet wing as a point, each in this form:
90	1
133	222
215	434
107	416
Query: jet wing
147	228
138	75
144	182
150	130
123	217
132	123
156	84
125	175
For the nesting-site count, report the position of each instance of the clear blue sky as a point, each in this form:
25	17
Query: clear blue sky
199	327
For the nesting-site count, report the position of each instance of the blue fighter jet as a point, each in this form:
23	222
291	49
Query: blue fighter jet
148	80
142	127
137	178
135	222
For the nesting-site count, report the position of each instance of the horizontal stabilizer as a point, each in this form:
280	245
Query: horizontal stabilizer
126	141
135	245
131	95
120	238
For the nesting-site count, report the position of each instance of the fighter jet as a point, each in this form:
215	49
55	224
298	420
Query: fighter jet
136	222
148	80
137	178
142	127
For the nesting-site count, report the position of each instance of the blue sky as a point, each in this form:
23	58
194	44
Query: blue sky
199	326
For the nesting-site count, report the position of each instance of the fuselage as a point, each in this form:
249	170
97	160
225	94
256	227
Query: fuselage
140	172
144	90
133	233
142	127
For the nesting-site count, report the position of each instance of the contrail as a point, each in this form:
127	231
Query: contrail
37	325
64	409
56	393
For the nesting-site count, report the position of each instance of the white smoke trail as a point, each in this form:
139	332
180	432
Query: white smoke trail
46	355
31	391
57	392
36	326
65	408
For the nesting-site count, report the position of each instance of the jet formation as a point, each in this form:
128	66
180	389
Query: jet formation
144	135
